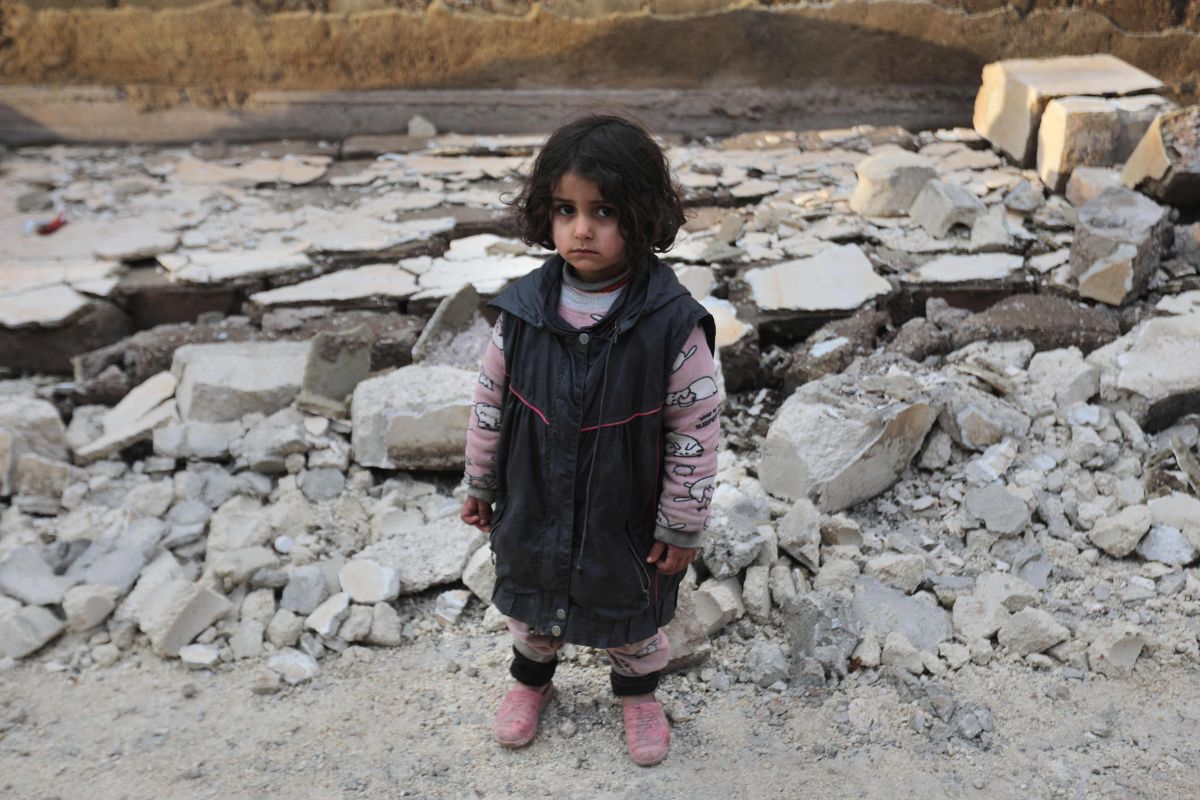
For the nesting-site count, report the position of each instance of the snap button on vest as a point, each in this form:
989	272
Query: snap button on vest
584	338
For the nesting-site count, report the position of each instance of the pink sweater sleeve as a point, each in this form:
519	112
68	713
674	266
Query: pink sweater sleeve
692	418
483	431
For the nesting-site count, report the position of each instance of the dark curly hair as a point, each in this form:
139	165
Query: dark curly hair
631	172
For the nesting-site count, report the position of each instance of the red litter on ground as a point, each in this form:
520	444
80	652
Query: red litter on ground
45	228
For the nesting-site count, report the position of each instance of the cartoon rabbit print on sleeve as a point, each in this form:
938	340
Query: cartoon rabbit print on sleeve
691	416
483	432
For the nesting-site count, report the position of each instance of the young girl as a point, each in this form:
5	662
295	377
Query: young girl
595	427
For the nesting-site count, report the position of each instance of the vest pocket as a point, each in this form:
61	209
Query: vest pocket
612	583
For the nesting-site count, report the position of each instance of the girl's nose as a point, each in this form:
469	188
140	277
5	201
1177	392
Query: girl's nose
583	228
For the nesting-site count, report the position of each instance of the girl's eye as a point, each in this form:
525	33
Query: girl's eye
606	212
564	209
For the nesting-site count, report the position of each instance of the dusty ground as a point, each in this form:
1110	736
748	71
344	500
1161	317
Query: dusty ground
414	721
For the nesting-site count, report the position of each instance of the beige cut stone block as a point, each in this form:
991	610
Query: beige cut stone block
1166	162
1014	93
1091	132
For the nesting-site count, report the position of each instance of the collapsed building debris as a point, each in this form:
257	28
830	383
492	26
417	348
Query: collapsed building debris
939	451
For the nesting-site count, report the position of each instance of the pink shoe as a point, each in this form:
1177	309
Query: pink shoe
516	722
647	734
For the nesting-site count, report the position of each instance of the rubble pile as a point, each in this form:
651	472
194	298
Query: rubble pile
961	421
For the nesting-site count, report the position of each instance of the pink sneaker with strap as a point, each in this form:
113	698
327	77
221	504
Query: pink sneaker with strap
516	722
647	735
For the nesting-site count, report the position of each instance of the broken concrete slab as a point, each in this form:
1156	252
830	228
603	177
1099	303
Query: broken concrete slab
1114	652
25	575
268	444
32	426
372	286
424	554
822	625
231	266
838	465
1032	630
889	182
1166	162
1014	94
903	571
224	382
885	610
479	574
941	207
412	418
1120	533
42	306
976	420
1179	511
1000	510
1092	132
1152	372
176	614
967	268
1118	244
1087	182
40	484
135	240
27	631
120	438
456	334
336	364
87	605
840	277
800	533
368	582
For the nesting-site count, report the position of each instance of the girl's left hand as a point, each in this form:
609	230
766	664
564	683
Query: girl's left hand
669	558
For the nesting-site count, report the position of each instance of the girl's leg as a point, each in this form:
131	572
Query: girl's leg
535	658
636	668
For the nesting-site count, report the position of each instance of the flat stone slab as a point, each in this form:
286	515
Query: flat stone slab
441	277
291	169
207	266
839	278
1014	93
956	269
46	306
356	233
88	275
374	281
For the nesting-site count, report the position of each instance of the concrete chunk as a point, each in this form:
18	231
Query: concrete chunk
889	182
224	382
88	605
1166	162
1118	245
368	582
25	575
179	612
940	207
1093	132
1114	651
1031	630
326	618
1120	533
718	603
414	418
1014	94
27	631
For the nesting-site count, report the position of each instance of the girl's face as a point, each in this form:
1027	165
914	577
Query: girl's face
585	229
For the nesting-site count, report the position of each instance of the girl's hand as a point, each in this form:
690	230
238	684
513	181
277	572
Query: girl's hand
670	559
478	513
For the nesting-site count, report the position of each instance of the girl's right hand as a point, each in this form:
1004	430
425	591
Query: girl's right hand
478	513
